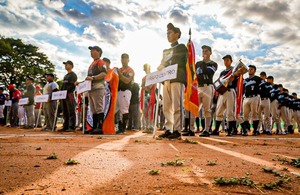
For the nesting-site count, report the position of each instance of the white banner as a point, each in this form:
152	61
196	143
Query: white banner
84	86
59	95
23	101
168	73
41	98
7	102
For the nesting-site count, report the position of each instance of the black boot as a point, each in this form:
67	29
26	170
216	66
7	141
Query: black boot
245	127
255	127
101	118
203	124
198	124
216	131
231	125
96	121
124	121
186	125
234	128
290	129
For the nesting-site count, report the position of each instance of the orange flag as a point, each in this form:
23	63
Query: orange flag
191	102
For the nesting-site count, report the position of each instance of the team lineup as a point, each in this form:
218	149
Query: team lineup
115	102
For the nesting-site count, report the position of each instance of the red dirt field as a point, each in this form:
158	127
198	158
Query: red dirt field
120	164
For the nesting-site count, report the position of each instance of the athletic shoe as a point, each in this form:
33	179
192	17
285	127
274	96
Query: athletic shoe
175	134
204	134
70	130
165	134
189	133
214	133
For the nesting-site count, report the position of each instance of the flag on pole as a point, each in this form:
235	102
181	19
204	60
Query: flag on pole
191	102
239	95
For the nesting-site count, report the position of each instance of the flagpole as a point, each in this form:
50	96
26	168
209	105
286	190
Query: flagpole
156	111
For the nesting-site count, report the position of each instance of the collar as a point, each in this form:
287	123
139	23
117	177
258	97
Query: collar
174	44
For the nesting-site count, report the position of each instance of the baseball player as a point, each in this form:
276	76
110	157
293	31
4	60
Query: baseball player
205	71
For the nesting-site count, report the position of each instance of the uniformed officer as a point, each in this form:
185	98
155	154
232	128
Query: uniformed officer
173	89
226	101
251	101
205	71
265	103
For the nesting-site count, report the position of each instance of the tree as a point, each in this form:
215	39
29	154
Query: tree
19	60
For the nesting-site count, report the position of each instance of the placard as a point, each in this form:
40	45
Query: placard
23	101
84	86
41	98
59	95
168	73
7	102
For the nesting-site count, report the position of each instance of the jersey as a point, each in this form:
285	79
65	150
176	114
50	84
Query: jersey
127	72
68	82
231	84
264	89
251	86
274	92
205	72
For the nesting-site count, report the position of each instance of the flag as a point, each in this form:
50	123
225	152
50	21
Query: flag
191	102
239	95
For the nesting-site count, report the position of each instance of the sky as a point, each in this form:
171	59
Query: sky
263	33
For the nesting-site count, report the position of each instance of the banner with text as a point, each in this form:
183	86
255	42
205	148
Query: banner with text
168	73
59	95
84	86
41	98
7	102
23	101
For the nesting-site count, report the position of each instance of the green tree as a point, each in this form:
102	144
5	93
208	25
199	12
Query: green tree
19	60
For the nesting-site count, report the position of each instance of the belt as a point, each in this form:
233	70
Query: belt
251	96
266	98
202	85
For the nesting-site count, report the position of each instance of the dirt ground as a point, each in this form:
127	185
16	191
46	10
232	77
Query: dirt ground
120	164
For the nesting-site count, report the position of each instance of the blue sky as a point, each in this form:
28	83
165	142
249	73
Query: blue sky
263	33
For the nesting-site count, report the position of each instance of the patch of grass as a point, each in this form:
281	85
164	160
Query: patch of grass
153	172
190	141
222	143
176	162
234	145
282	160
211	163
264	144
257	153
137	141
295	162
38	148
159	138
52	156
234	181
99	137
71	162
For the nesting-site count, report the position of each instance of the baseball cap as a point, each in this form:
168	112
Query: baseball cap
69	62
263	73
170	26
206	47
270	77
227	56
280	85
30	78
50	74
95	48
252	66
1	89
38	87
11	86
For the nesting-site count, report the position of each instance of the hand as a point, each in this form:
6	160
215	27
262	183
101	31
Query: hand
160	67
89	78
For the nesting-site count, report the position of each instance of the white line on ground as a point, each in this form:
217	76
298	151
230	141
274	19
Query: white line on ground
217	140
248	158
172	146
